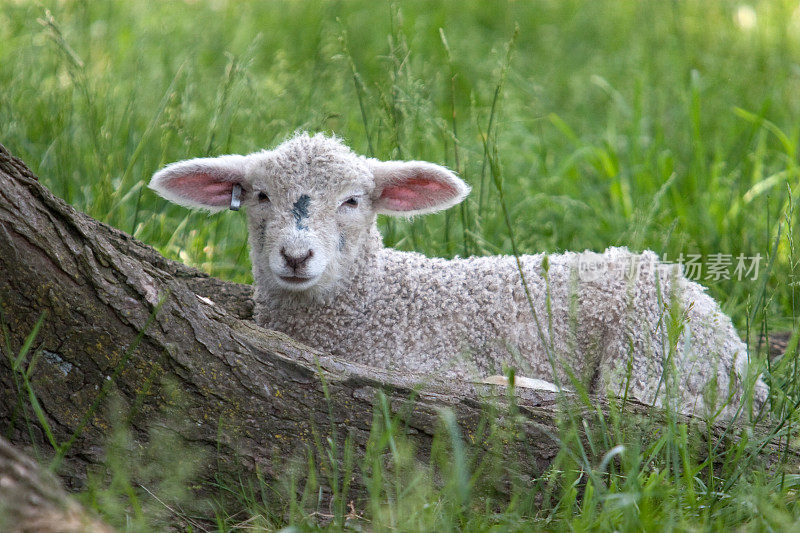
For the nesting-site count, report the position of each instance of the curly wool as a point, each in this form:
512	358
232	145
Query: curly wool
617	322
469	318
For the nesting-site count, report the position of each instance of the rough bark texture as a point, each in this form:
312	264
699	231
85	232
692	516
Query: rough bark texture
249	396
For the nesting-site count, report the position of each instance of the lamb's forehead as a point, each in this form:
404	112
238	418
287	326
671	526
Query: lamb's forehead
317	162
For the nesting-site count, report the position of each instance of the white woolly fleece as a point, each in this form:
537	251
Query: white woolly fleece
323	276
467	318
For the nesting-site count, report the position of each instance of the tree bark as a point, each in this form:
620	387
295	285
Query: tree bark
118	313
33	501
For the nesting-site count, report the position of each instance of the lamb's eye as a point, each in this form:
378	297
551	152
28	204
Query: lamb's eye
351	202
262	197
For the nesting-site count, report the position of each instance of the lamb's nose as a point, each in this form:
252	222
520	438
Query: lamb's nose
295	261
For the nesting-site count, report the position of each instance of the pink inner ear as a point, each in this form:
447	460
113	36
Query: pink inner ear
416	193
203	187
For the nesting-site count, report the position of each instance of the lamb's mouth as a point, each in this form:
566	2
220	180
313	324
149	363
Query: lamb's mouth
299	280
297	283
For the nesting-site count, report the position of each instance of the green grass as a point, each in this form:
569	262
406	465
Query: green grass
673	126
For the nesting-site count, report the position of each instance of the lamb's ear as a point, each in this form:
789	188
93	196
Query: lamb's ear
409	188
203	183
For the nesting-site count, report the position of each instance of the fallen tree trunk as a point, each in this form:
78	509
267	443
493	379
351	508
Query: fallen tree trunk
120	315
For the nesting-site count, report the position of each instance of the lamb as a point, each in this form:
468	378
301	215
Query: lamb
610	322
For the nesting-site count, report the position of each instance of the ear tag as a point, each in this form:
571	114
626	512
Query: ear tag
236	197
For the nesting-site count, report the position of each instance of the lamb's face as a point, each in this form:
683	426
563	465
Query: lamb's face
311	205
309	215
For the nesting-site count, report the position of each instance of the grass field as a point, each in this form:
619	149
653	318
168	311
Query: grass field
664	125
